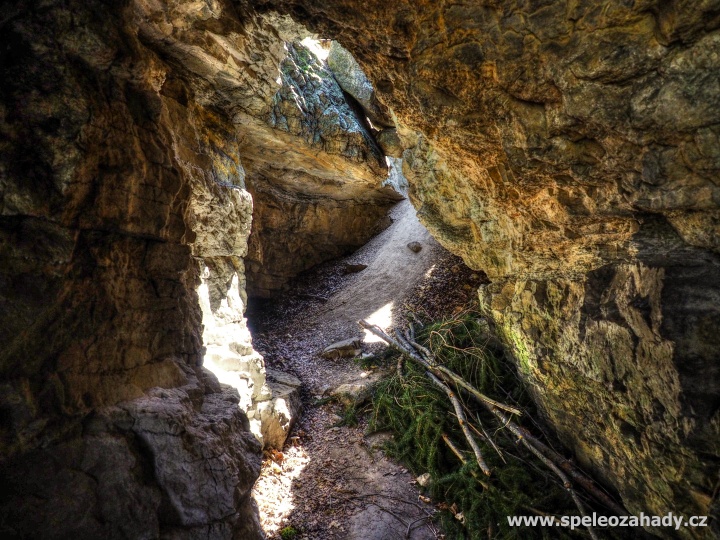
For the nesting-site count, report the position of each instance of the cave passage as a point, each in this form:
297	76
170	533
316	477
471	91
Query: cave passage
317	482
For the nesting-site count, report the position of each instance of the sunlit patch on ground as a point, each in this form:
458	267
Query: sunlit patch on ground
273	489
383	318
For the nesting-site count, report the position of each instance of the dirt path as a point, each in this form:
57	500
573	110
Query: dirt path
333	481
393	269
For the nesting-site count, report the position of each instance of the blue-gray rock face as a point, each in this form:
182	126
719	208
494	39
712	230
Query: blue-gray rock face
324	192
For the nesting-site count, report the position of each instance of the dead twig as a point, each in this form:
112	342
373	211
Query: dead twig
463	423
562	463
476	393
410	525
440	375
399	368
487	438
432	366
525	438
455	450
540	513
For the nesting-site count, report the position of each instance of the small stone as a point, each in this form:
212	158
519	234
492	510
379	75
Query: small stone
414	246
353	393
278	415
354	268
347	348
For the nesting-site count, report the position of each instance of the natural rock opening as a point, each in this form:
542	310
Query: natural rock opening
310	208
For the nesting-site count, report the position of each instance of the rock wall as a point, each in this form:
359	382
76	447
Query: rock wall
110	167
570	150
130	135
119	179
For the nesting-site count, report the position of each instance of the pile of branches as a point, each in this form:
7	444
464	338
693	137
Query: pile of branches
475	416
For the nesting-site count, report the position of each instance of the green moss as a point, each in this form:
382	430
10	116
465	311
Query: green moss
349	416
289	532
519	348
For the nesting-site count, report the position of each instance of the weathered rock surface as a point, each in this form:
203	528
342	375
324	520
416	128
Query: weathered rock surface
130	133
569	150
120	181
278	415
351	78
177	463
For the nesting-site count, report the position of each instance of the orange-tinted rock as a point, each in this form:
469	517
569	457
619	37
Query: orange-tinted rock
569	150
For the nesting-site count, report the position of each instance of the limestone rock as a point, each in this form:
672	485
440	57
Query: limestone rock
353	393
347	348
569	150
308	207
175	462
396	179
352	79
278	415
390	142
120	180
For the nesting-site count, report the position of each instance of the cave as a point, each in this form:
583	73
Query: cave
569	151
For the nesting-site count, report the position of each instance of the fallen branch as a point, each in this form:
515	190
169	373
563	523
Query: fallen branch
525	438
415	318
562	463
579	477
439	371
463	423
487	438
440	375
476	393
455	450
540	513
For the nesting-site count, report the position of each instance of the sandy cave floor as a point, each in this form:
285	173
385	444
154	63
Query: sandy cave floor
332	481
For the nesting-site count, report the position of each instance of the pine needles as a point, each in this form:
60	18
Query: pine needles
433	436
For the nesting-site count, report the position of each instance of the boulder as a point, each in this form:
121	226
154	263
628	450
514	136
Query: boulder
278	415
347	348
